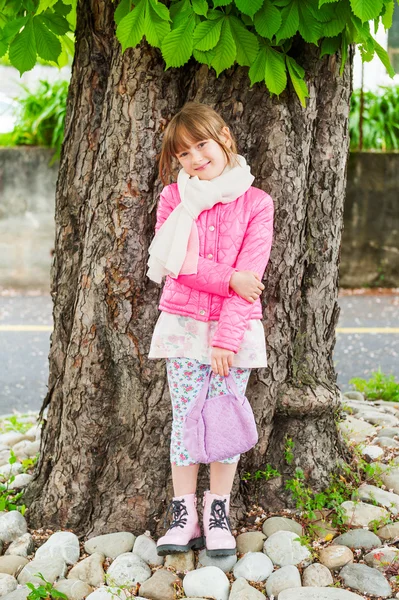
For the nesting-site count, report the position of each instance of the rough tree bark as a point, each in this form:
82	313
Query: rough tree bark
104	462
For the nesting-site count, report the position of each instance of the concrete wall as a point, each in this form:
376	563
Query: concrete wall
27	193
370	242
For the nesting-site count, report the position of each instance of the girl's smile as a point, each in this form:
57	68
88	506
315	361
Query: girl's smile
205	159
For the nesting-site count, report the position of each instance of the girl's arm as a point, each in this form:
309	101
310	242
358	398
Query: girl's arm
253	256
211	276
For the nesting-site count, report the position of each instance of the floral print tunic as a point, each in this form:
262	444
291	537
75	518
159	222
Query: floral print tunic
183	336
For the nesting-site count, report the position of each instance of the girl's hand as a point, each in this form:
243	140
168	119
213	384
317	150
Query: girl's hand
247	284
221	359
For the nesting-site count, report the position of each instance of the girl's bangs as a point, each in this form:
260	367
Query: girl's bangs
181	139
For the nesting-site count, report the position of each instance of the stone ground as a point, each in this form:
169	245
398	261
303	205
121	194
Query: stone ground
284	556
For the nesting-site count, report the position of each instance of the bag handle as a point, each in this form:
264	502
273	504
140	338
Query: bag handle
231	385
198	405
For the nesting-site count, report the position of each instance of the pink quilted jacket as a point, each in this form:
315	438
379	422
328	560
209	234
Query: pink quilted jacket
236	236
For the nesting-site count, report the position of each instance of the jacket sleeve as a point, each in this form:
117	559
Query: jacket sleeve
211	276
253	256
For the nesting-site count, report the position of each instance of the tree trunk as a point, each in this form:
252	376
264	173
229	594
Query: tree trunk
104	461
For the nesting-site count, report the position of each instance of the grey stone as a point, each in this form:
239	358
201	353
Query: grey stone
208	582
358	538
387	499
20	593
317	575
106	592
285	578
274	524
354	395
355	429
253	566
382	558
321	593
12	564
372	452
335	557
379	418
389	432
386	442
360	514
62	543
365	580
73	588
51	570
251	541
390	478
8	584
127	568
90	570
111	544
146	548
22	546
284	548
12	526
20	481
181	561
241	590
160	586
225	563
11	437
7	470
389	532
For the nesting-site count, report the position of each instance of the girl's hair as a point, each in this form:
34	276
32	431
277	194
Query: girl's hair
193	123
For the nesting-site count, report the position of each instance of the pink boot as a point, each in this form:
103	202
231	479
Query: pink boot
217	531
184	532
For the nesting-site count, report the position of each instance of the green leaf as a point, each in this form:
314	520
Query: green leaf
366	9
177	46
387	17
225	51
200	7
122	10
344	51
10	30
44	5
249	7
267	20
205	58
47	44
246	43
22	52
180	13
275	71
207	34
330	45
290	22
384	58
257	69
217	3
160	9
56	23
131	28
310	29
321	2
155	28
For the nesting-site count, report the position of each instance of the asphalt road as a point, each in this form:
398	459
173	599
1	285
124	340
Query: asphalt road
26	321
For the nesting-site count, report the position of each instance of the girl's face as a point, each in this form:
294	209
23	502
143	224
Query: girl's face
205	159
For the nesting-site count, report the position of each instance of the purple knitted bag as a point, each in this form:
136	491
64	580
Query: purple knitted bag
220	427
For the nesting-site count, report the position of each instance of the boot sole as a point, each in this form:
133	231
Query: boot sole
221	552
194	544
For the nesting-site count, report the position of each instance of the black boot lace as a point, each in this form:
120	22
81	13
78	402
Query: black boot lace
219	517
179	512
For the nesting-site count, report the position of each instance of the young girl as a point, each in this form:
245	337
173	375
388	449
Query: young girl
212	241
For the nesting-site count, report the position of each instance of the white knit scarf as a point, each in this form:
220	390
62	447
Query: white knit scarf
177	238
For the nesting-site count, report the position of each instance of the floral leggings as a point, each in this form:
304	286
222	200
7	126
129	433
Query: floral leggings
185	378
